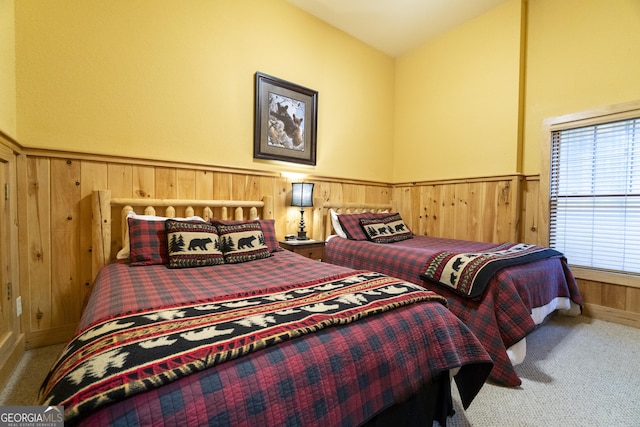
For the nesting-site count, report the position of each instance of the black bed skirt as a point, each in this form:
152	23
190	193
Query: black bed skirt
433	402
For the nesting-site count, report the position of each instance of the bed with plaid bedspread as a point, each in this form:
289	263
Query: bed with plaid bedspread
337	375
500	318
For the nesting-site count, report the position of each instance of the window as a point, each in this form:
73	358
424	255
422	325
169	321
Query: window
595	194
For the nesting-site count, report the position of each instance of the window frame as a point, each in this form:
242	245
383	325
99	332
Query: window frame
584	118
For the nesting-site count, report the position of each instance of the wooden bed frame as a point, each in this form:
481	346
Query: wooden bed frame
322	226
106	238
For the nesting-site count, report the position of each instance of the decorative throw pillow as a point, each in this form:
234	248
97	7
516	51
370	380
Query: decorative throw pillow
386	230
336	224
242	242
148	241
125	252
269	230
351	223
268	227
192	244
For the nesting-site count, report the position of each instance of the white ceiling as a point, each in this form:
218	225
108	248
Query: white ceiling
395	26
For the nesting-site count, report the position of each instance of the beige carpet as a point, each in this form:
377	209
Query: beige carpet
578	372
22	388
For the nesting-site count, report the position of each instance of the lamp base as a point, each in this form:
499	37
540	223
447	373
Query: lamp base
302	235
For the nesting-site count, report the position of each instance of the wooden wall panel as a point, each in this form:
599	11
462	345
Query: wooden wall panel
468	209
529	212
143	183
55	264
94	177
614	296
120	180
39	280
65	229
203	184
185	184
166	183
222	186
633	300
591	291
57	232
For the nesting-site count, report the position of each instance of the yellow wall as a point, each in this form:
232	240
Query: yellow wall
7	68
582	55
457	101
175	80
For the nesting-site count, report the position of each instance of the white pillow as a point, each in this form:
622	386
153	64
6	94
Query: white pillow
125	252
336	224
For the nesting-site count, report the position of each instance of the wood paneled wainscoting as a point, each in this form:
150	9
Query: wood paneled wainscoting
54	194
482	209
508	208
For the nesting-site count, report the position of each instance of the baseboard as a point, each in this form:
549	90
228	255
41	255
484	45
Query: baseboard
15	354
57	335
614	315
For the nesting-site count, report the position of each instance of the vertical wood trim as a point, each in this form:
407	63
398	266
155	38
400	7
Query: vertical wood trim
23	241
39	243
143	182
320	215
165	179
101	220
65	220
186	184
93	176
203	185
267	209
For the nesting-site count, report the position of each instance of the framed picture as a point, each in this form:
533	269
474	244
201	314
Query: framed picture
285	121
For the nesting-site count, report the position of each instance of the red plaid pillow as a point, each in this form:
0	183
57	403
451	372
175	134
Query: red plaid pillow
268	227
148	241
124	252
386	230
351	223
192	244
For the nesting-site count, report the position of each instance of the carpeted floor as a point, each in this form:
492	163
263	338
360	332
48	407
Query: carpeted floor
578	372
22	388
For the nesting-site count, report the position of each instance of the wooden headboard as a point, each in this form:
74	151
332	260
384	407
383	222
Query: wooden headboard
322	226
108	231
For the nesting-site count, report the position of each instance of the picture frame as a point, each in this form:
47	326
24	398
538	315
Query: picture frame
286	116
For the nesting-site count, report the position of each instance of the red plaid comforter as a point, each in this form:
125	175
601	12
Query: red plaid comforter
337	376
500	319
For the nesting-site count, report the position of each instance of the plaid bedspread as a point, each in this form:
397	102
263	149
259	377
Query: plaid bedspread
131	353
503	315
340	375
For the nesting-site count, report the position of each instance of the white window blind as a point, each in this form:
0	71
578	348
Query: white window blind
595	195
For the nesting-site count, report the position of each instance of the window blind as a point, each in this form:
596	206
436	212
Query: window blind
595	195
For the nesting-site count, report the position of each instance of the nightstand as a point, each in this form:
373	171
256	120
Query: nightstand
313	249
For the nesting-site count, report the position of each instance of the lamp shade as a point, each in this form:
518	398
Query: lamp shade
302	194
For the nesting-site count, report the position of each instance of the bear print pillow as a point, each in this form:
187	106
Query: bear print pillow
242	242
192	244
386	230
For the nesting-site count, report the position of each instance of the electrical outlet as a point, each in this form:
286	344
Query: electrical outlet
18	306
